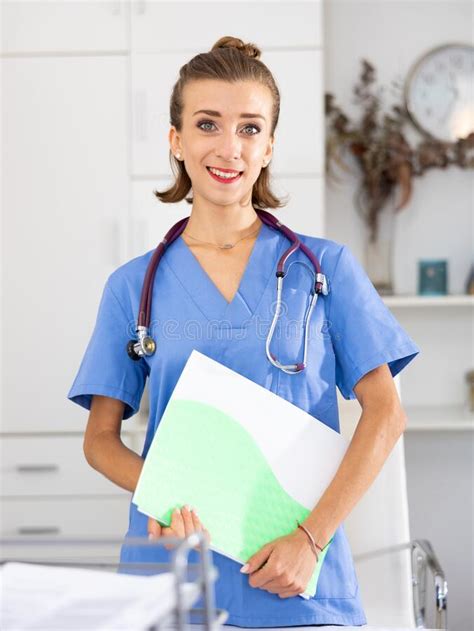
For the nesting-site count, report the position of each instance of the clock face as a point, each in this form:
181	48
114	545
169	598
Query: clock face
439	92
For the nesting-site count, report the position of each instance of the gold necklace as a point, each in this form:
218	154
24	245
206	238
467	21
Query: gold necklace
225	246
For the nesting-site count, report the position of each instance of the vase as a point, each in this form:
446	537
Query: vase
379	252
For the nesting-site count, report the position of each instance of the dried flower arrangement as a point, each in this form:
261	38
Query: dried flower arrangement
385	157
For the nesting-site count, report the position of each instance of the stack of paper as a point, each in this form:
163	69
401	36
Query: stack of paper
46	597
250	462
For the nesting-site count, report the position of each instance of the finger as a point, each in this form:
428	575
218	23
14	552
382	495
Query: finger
279	586
177	523
274	585
198	527
206	534
264	576
258	559
153	528
289	594
166	531
187	520
273	590
175	529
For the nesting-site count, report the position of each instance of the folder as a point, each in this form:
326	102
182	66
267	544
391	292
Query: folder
249	461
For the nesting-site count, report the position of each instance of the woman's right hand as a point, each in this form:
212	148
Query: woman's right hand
183	523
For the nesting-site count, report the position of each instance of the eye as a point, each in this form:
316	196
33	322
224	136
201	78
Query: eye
249	126
204	123
254	127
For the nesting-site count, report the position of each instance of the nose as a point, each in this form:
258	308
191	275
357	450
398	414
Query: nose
229	146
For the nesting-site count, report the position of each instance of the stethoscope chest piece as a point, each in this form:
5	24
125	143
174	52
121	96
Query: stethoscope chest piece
145	345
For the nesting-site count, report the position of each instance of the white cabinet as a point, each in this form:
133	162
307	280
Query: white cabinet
37	520
58	27
65	211
51	464
172	26
65	516
153	77
65	207
85	100
48	489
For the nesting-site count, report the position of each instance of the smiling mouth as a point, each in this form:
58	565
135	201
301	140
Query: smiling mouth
224	170
235	175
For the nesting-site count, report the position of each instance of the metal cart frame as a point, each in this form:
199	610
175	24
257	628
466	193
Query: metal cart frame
206	573
423	558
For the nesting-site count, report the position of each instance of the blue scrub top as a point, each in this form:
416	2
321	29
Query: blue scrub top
351	333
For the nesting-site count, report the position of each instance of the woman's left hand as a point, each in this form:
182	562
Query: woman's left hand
288	564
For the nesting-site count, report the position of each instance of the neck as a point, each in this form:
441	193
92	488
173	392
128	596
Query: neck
222	225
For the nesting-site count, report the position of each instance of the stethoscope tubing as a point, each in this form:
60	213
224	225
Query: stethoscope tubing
146	297
146	345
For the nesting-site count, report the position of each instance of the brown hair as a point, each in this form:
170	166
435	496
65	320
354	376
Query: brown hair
228	60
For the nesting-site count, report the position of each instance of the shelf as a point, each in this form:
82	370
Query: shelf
439	418
410	300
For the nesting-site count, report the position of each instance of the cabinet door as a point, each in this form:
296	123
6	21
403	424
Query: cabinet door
104	519
52	27
299	134
168	26
65	205
71	517
52	465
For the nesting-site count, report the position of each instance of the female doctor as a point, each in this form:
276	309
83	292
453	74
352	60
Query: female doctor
214	291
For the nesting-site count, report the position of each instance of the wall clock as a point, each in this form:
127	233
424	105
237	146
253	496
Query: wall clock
439	92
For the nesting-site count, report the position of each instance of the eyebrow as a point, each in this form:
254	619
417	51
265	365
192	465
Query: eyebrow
218	114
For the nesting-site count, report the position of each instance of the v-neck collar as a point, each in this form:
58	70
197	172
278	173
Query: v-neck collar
261	266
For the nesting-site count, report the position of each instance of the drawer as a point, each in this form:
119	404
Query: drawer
75	518
51	465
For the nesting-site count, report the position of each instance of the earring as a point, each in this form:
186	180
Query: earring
178	156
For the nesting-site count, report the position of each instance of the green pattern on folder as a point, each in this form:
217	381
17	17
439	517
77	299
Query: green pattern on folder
203	457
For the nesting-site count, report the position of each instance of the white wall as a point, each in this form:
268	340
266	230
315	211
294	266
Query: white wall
437	223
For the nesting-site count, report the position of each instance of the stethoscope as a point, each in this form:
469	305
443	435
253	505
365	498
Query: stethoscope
146	346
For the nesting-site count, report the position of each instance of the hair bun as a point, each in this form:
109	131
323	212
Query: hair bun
251	50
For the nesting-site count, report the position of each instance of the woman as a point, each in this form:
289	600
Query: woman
214	291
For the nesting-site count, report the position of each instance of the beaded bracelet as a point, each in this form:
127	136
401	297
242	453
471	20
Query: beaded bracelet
313	543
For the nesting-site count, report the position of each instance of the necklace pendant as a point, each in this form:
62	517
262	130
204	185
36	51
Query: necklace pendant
226	246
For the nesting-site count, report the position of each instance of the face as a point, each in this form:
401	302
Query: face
223	138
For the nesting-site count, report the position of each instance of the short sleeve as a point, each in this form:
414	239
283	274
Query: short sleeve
106	368
364	332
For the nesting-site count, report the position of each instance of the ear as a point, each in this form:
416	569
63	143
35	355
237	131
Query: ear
269	150
174	140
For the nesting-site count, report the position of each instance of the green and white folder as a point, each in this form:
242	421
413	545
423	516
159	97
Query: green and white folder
250	462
